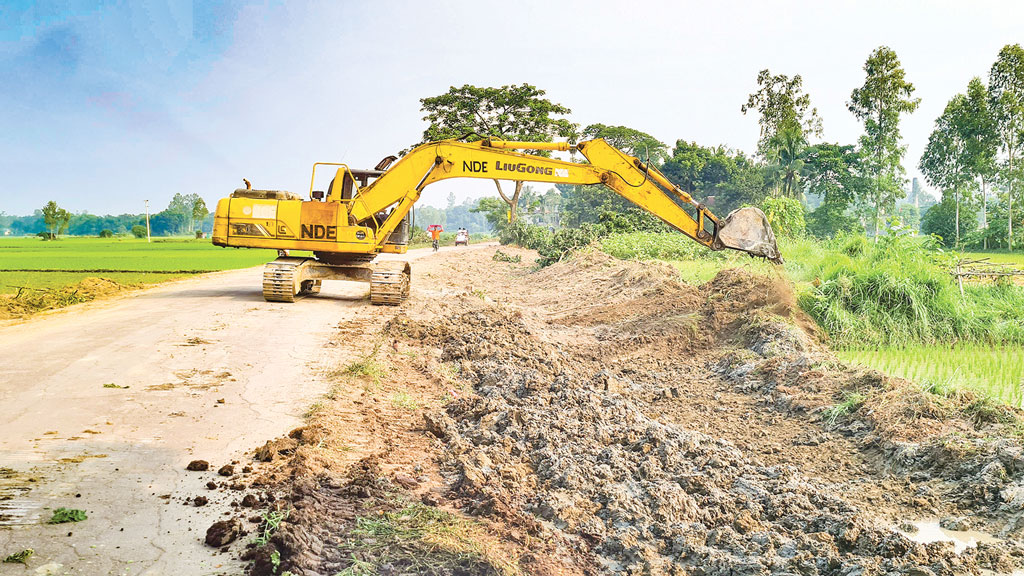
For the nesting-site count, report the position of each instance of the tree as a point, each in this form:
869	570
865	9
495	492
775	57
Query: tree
946	163
982	141
941	221
1006	94
139	231
834	173
509	112
723	178
199	210
56	219
494	210
879	103
583	204
782	104
686	166
632	142
786	154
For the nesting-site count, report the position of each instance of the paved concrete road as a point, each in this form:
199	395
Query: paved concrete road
66	440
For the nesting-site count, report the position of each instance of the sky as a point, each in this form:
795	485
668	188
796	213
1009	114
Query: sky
104	105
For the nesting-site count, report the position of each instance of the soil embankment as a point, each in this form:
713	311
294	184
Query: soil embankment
599	416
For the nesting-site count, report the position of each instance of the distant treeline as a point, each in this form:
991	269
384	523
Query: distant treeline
184	215
85	224
453	217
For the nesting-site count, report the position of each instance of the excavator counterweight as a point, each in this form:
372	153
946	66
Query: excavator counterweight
366	212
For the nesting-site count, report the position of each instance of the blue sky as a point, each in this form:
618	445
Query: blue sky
104	105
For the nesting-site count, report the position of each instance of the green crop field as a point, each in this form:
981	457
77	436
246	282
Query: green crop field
997	372
1000	257
35	263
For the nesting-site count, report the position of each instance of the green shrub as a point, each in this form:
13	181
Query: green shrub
107	234
786	215
500	256
632	220
566	240
139	231
525	235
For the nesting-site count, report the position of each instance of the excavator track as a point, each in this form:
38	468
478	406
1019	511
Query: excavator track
389	283
281	279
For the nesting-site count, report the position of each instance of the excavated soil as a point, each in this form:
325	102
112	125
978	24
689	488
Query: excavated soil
28	301
601	417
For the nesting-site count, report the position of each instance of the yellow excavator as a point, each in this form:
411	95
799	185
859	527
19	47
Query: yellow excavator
366	212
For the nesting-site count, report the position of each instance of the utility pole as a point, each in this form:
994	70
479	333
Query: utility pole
147	222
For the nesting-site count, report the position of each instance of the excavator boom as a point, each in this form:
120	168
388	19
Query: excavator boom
350	224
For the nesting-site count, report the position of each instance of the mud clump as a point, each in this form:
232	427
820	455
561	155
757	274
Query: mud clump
276	448
222	533
226	470
198	466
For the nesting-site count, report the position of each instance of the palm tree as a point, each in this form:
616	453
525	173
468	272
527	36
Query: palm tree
786	151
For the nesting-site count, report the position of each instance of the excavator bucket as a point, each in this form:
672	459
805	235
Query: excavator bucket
748	230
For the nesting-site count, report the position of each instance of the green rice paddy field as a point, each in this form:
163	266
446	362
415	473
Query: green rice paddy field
997	372
35	263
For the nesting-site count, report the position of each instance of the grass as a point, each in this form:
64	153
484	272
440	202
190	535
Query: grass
19	557
35	263
899	293
271	522
65	515
852	401
993	372
404	401
368	366
420	539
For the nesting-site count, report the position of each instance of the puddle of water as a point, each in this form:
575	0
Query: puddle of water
930	531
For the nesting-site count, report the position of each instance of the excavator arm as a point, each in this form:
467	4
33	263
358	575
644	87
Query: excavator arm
746	230
349	225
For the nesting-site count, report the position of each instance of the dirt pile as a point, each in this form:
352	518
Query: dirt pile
544	441
28	301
